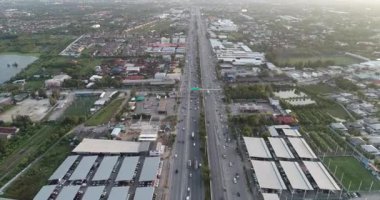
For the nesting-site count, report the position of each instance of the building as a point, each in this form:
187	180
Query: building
223	25
8	132
162	106
99	146
256	148
56	81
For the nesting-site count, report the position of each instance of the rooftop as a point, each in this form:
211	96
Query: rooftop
144	193
93	192
119	193
68	192
83	168
61	171
97	146
105	169
150	168
280	148
127	169
296	176
321	176
257	147
302	148
45	192
267	175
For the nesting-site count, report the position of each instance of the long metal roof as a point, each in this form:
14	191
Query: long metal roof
61	171
45	192
150	168
127	169
295	175
119	193
68	192
144	193
80	173
270	196
280	148
257	147
267	175
96	146
321	176
302	148
105	169
93	193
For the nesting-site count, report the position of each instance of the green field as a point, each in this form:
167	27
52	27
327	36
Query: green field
27	185
338	59
80	107
354	172
105	114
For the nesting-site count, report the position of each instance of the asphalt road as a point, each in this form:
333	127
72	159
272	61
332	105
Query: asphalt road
185	181
224	161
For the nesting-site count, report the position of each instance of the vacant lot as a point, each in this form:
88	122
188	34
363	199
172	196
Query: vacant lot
354	173
105	114
80	107
35	109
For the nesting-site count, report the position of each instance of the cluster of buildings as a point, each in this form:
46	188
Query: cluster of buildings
356	105
285	162
107	169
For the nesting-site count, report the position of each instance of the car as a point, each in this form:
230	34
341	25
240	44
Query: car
190	175
194	144
230	164
175	155
235	180
238	194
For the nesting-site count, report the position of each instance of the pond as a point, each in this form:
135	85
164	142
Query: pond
12	64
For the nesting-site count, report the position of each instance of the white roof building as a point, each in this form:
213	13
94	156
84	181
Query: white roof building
280	148
296	177
257	147
302	148
268	175
321	176
96	146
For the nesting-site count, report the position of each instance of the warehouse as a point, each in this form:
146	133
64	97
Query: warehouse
321	176
295	175
256	147
97	146
83	168
119	193
162	106
302	148
127	169
105	169
93	192
144	193
273	130
149	171
68	192
61	171
267	175
291	132
45	192
280	148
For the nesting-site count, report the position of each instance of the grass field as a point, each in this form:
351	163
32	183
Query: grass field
19	158
27	185
80	107
338	59
353	172
105	114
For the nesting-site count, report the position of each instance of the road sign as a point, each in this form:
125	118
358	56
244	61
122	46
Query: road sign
195	89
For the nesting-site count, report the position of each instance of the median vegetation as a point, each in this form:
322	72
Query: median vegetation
205	167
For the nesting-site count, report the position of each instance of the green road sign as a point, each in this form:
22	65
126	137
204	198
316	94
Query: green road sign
195	89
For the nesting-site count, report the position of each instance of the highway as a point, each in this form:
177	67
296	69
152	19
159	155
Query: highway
227	174
186	182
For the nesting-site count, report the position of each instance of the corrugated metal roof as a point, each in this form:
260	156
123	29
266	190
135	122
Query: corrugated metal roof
83	168
150	168
144	193
127	169
105	169
61	171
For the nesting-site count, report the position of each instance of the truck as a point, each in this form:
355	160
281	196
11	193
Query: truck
189	163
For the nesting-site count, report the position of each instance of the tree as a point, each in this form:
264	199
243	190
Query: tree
3	144
52	100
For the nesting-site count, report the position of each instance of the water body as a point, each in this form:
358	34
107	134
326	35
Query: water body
8	67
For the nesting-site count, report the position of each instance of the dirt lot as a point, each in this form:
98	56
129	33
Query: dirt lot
35	109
